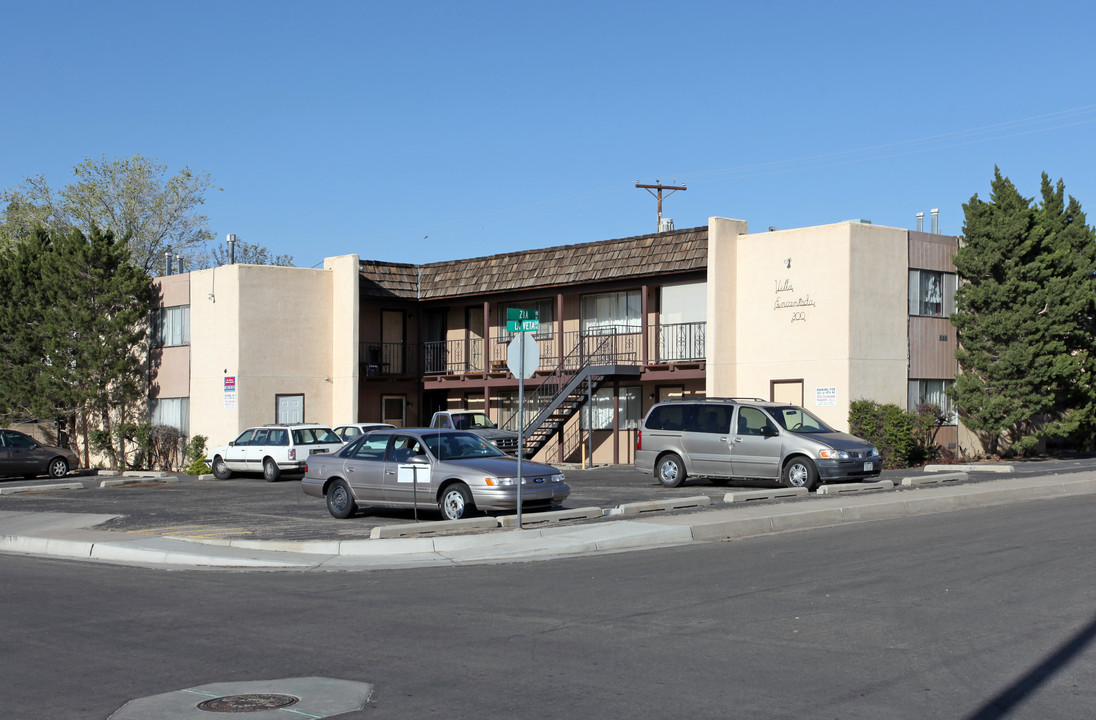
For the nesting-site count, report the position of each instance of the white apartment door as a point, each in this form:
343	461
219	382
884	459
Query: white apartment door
290	409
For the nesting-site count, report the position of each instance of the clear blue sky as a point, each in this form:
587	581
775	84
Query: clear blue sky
423	131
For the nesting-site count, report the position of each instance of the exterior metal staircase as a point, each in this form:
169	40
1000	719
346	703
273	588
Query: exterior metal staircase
562	394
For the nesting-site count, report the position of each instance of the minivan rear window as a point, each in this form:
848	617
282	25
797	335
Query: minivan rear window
691	417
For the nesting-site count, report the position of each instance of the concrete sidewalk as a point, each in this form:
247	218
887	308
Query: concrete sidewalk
72	536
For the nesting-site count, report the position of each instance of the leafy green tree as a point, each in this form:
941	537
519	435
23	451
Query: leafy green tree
72	331
1018	340
132	197
247	254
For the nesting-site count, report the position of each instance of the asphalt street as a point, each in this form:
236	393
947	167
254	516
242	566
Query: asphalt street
980	614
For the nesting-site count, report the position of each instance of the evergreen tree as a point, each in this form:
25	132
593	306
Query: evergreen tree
1019	335
72	330
1071	308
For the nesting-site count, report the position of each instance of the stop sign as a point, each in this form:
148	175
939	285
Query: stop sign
523	352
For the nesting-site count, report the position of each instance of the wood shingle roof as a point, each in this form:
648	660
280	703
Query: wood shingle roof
677	251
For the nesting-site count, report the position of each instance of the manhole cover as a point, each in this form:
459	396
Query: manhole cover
247	703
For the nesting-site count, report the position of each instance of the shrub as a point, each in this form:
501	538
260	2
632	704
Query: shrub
195	455
889	428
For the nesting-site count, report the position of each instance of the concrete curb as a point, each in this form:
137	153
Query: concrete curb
976	467
759	520
934	479
854	487
66	535
139	480
637	508
41	488
775	494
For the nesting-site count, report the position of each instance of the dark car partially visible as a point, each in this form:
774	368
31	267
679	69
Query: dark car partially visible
23	456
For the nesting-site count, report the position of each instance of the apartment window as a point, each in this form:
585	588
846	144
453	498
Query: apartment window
507	403
545	312
171	326
602	409
931	293
612	312
171	411
933	392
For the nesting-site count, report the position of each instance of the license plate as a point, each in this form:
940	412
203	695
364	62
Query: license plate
324	451
868	467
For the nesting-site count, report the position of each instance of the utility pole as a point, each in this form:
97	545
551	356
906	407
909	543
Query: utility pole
660	187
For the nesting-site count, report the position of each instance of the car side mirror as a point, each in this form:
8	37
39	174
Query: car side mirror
768	431
419	460
232	443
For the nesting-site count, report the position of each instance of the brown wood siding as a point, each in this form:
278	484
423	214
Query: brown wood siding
932	252
930	357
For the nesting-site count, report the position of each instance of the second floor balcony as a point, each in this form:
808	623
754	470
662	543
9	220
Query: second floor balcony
669	343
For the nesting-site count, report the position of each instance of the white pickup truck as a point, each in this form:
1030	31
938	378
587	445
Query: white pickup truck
477	422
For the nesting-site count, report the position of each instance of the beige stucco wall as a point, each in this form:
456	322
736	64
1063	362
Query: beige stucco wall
290	321
721	330
345	331
825	305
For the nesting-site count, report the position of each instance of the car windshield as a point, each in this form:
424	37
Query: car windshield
798	420
472	421
460	446
314	436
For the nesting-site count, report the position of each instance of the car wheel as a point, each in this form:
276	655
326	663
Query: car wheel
800	473
58	468
340	501
670	471
220	469
455	502
271	471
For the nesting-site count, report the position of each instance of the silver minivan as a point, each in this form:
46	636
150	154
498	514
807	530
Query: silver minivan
725	438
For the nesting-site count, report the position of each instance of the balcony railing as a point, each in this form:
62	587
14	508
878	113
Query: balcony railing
675	343
450	357
379	358
681	341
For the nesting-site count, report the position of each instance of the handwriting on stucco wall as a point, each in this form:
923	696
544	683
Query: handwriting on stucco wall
788	302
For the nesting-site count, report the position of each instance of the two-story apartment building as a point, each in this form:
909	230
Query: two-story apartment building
820	316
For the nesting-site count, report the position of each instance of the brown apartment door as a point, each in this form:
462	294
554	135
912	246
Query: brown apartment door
392	341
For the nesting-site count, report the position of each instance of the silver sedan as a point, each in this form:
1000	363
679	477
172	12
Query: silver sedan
455	471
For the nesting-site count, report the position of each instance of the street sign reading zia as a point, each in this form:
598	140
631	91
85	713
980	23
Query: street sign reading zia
521	320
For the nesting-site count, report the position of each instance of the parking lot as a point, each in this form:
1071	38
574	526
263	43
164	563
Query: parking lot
251	508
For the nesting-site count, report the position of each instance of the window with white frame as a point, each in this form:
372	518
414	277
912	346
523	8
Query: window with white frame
545	309
171	411
931	293
606	313
932	392
602	409
171	326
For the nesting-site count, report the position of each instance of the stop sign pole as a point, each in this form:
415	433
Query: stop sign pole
522	359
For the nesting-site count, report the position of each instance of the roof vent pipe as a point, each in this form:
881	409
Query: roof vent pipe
920	222
935	221
178	263
167	262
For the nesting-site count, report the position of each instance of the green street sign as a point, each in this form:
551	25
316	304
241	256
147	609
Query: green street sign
522	325
521	320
